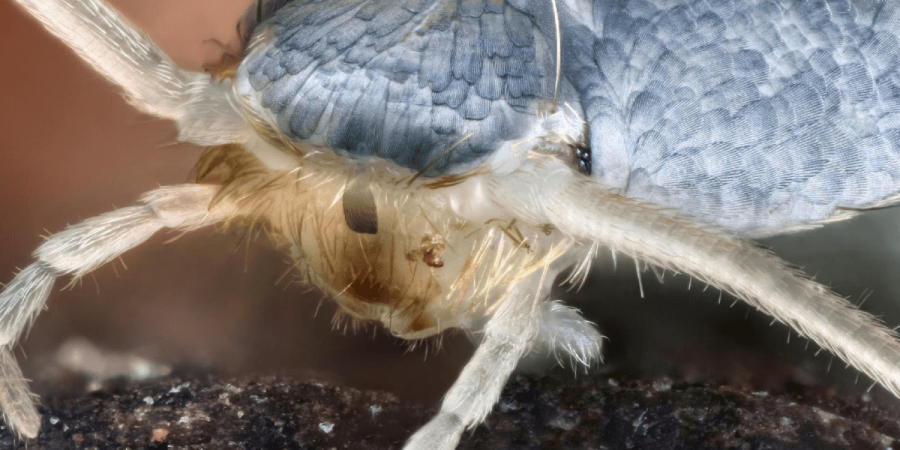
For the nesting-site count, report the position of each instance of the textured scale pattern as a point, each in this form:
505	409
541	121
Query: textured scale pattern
403	81
755	115
758	116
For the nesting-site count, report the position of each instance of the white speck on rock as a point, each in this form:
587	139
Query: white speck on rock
566	420
326	427
662	385
785	421
185	420
240	414
640	420
374	409
54	421
509	406
148	400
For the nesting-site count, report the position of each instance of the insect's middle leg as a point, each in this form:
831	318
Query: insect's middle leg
76	251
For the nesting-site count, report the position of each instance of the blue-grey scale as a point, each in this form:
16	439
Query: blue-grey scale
753	115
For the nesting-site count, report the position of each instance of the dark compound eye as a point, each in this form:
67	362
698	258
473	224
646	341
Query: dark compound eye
583	159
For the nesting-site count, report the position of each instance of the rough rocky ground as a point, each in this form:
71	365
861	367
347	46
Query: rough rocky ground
593	412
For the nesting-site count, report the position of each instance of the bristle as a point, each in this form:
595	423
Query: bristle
423	270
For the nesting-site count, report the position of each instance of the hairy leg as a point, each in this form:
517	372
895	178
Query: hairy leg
566	336
151	81
507	336
593	213
76	251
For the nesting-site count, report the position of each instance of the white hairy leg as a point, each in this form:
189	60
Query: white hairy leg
16	399
507	336
581	207
76	251
153	83
567	336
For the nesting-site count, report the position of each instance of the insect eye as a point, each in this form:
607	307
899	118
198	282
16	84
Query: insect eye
583	159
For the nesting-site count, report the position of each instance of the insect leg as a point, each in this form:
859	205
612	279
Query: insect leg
16	400
152	82
565	333
76	251
507	336
584	209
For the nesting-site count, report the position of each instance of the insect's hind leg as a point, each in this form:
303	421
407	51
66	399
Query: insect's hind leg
76	251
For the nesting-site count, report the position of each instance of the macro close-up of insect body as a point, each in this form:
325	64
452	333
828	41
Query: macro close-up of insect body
441	164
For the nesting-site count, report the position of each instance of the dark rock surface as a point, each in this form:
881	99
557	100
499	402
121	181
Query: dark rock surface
592	412
598	413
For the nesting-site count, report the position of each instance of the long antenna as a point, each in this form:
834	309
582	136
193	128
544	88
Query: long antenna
558	55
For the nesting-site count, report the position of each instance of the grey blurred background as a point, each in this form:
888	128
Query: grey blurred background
71	148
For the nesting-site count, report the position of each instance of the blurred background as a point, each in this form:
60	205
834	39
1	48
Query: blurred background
71	148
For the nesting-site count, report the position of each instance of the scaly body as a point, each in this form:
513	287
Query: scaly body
437	164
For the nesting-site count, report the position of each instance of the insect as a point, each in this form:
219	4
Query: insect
436	164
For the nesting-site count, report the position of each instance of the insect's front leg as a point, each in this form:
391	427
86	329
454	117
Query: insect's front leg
507	336
567	336
76	251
